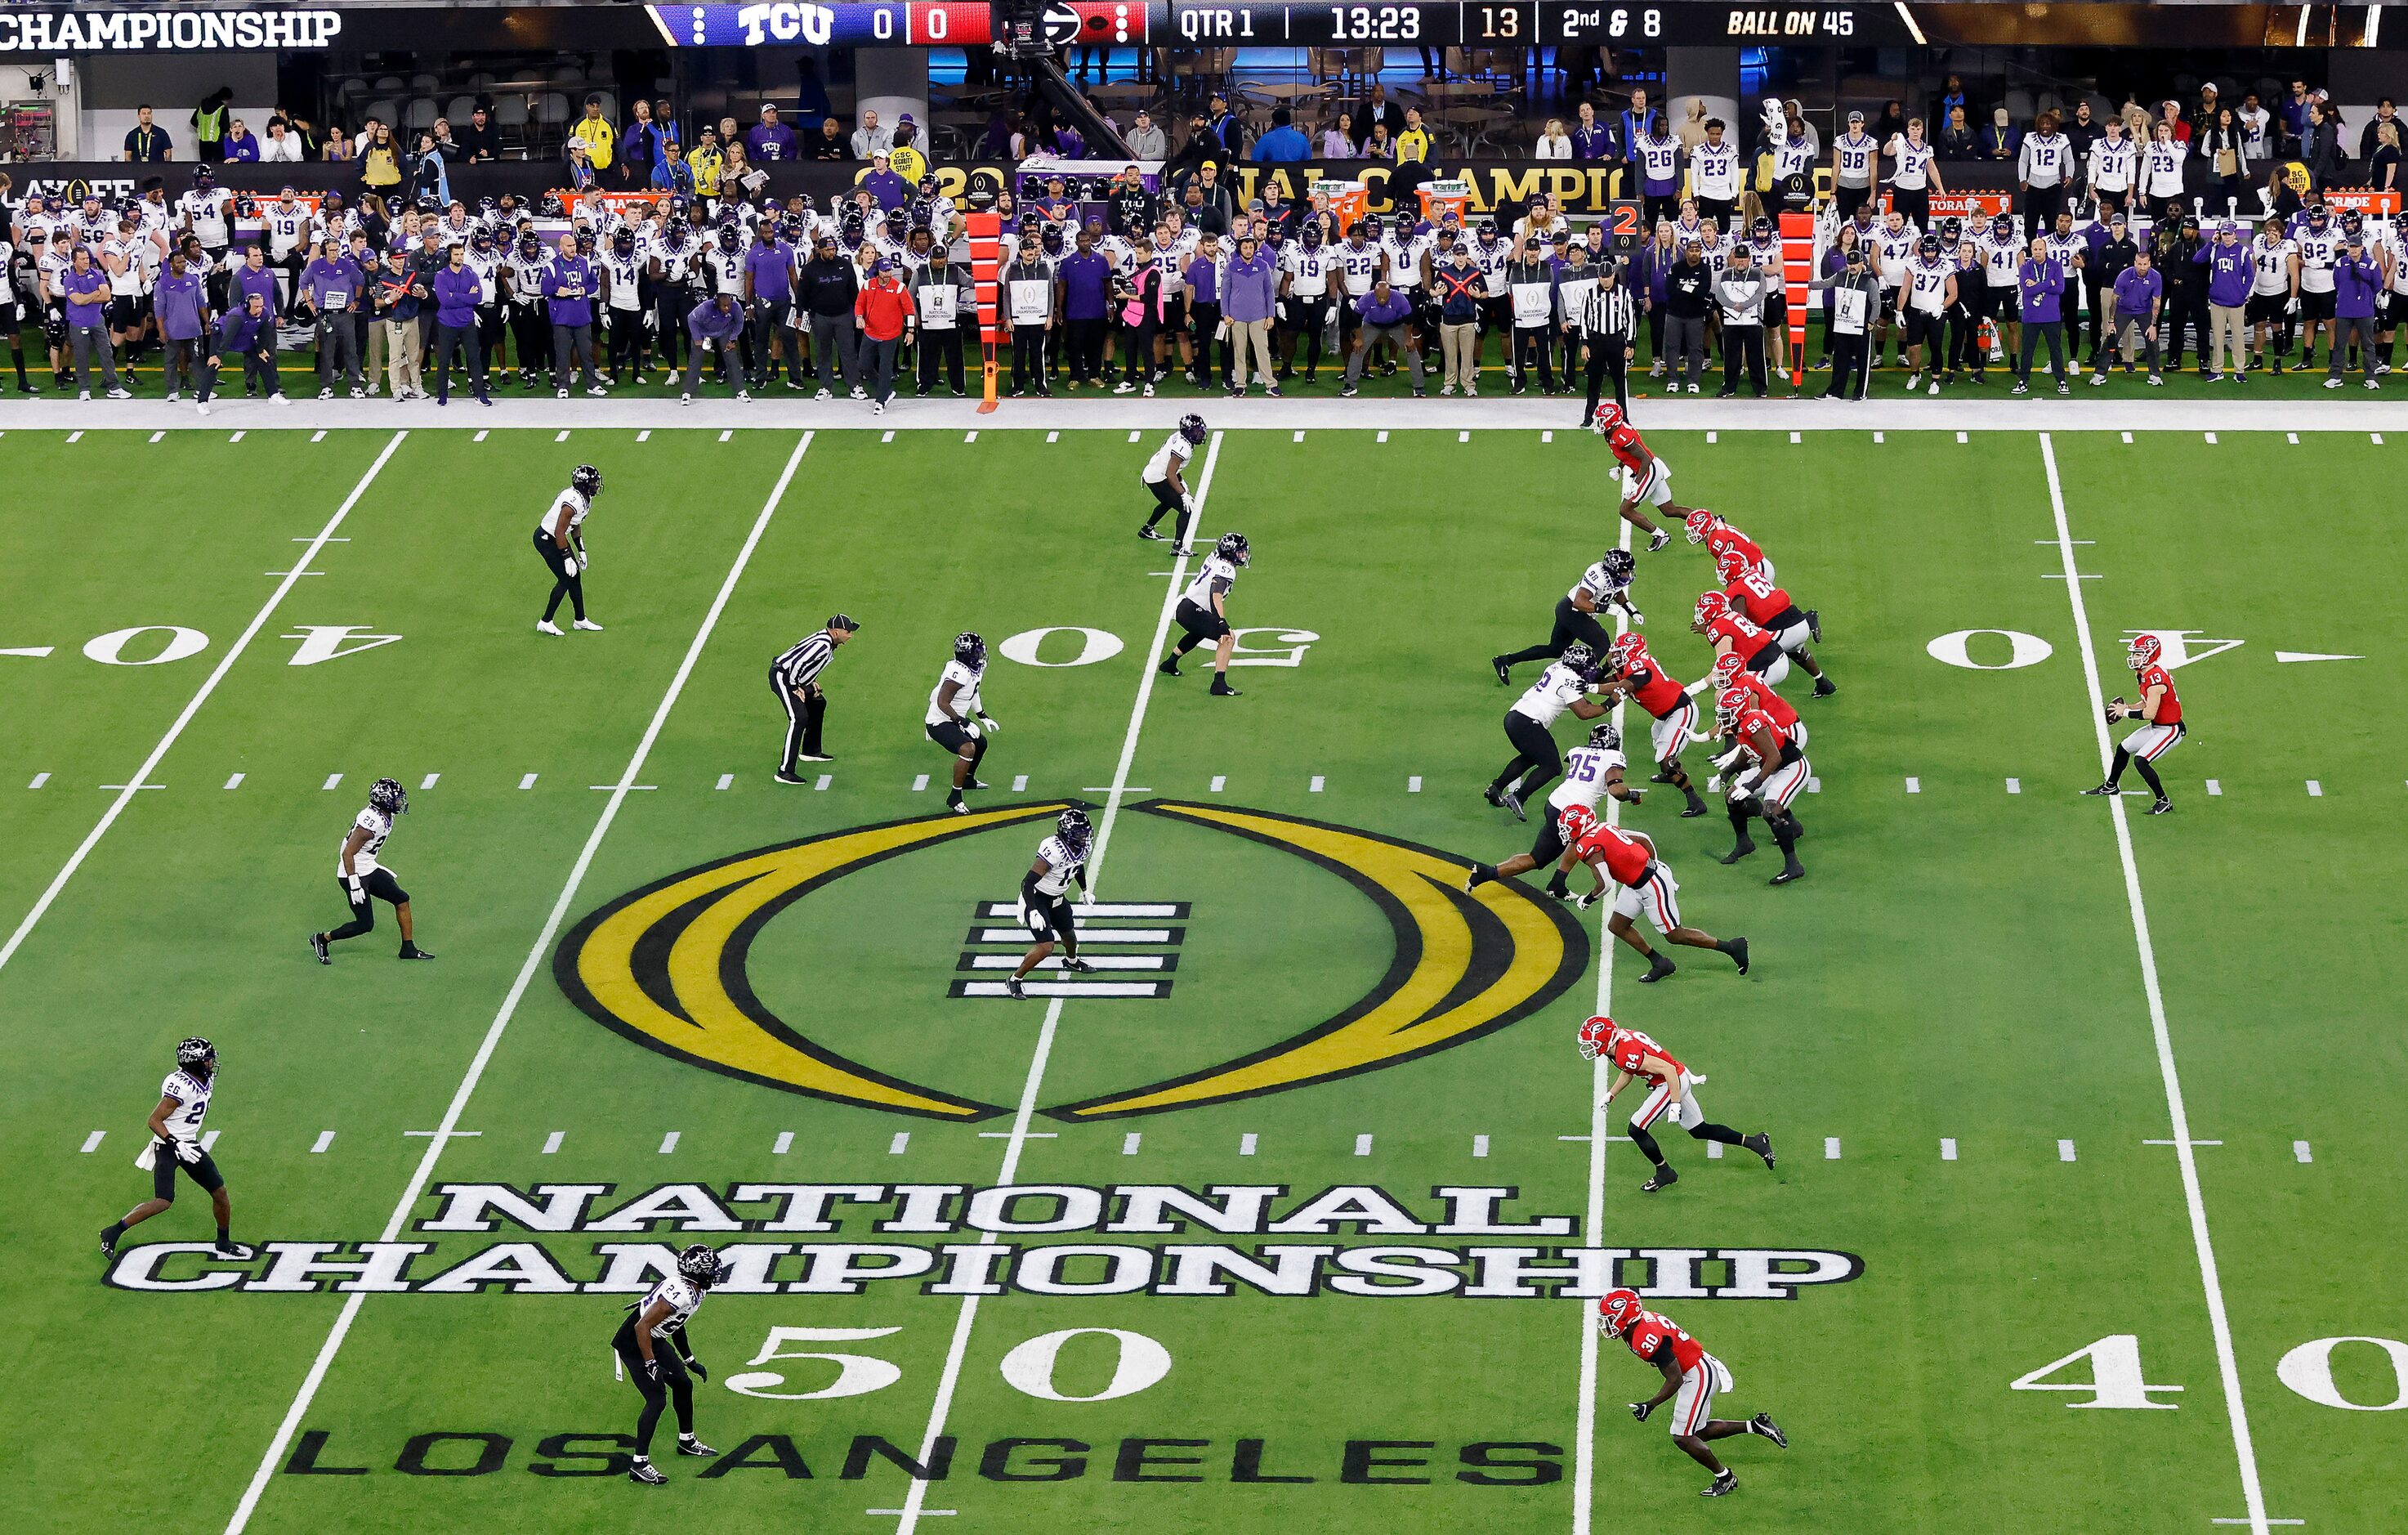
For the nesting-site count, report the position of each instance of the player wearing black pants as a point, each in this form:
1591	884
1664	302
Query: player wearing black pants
659	1358
1045	898
1572	623
560	542
364	881
958	719
176	1143
1203	612
1537	761
793	676
1165	475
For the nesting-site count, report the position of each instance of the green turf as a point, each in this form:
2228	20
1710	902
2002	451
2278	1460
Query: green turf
1960	964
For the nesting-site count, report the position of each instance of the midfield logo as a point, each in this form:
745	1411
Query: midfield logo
1107	929
665	966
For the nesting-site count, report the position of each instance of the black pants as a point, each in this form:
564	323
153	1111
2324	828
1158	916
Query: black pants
674	305
1168	499
1570	624
2041	206
1028	359
877	362
531	332
1743	345
2035	332
258	373
1531	349
674	1386
1606	360
1310	319
462	339
1086	350
1537	760
2190	311
378	885
941	348
803	719
770	333
163	1167
626	343
562	584
1848	362
1964	352
1137	365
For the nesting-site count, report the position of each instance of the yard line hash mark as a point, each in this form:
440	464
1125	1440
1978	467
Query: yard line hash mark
429	781
527	782
1947	1148
668	1143
2065	1151
2299	1150
40	779
1130	1142
325	1139
901	1143
1831	1148
1246	1144
92	1143
784	1143
1362	1145
551	1143
234	781
1479	1145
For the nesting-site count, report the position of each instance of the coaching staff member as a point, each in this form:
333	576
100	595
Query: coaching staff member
793	676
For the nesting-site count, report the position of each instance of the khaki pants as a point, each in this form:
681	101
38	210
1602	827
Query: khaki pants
1256	334
401	337
2229	333
1459	351
376	361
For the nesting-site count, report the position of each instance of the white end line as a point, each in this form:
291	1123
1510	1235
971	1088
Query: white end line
2253	1494
534	962
216	674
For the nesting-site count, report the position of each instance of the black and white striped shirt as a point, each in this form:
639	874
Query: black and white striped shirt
1610	311
799	666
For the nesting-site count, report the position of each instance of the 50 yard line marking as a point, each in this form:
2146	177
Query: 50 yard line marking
2253	1495
216	674
949	1377
442	1134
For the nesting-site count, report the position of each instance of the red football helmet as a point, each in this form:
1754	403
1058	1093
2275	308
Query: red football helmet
1618	1310
1711	605
1609	416
1577	822
1725	672
1701	523
1730	566
1732	704
2143	653
1597	1036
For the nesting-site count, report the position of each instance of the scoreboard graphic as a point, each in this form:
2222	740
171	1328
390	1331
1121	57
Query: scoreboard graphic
900	23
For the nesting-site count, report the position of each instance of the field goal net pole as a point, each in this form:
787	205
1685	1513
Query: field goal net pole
986	269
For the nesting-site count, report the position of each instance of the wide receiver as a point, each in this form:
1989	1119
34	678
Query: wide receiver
1628	858
2161	730
1692	1379
1645	477
1670	1092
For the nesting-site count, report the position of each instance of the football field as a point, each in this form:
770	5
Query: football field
2088	1214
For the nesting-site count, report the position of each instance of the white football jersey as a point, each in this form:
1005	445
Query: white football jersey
192	1096
1584	771
379	826
1175	451
285	227
1308	271
1548	697
208	211
683	1297
1856	153
966	693
1213	578
1714	171
578	506
1600	585
2319	251
1060	864
1361	265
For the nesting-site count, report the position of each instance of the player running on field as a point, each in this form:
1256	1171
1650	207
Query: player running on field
1749	588
1629	859
1670	1095
1529	724
659	1357
366	882
1645	477
1692	1379
176	1143
1602	585
1045	898
1203	611
2161	727
1166	475
956	714
1590	772
1637	676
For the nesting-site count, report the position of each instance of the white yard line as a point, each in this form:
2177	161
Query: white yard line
537	956
2251	1493
216	674
948	1378
1593	1232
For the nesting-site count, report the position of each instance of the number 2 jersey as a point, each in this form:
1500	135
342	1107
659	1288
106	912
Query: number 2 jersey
192	1096
379	826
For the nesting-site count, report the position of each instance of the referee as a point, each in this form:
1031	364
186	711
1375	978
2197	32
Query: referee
793	676
1609	322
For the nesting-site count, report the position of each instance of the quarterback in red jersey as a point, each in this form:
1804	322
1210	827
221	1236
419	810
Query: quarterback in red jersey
1692	1379
1645	884
1749	590
1633	674
2160	713
1708	528
1645	477
1669	1093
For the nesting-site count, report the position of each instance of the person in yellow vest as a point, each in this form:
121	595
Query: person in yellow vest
705	159
1414	144
380	160
906	160
210	123
595	132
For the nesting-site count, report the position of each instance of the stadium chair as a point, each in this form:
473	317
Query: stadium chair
511	124
385	111
387	85
611	107
422	114
425	83
459	108
2018	103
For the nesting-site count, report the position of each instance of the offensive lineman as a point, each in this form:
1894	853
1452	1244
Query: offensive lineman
1691	1374
1203	611
1602	585
1044	892
1628	858
1639	677
665	1375
1750	586
1165	475
956	714
1529	726
2161	728
1636	1056
176	1141
1778	771
365	881
560	542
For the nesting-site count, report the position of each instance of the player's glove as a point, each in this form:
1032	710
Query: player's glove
357	886
652	1369
2292	305
1640	1409
1585	901
989	721
695	1365
187	1152
568	565
1637	619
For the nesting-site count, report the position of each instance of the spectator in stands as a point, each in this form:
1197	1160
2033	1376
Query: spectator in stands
1632	128
639	147
208	121
1146	139
341	147
869	139
429	177
2257	127
2385	110
1415	145
595	132
442	131
380	168
146	142
2320	148
2224	149
673	175
1224	126
707	163
1377	107
1554	144
1381	145
2001	139
883	184
1591	139
1284	144
241	145
1956	141
2293	110
829	143
476	139
770	140
1338	138
2383	163
1954	99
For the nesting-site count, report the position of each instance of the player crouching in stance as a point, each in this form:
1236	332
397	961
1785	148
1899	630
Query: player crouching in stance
1628	858
1604	584
956	714
2161	728
1776	771
1749	588
1590	773
1669	1084
1165	475
176	1141
1645	477
659	1358
1637	676
1203	610
1044	896
1692	1379
1530	726
365	881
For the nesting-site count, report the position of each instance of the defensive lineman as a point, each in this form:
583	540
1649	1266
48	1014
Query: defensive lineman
957	717
1629	859
1602	585
1692	1379
1203	611
1529	724
2161	727
659	1357
1165	476
366	882
1045	897
176	1143
793	676
1591	772
1670	1093
560	540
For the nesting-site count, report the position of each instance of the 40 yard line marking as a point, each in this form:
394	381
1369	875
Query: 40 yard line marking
277	1446
216	674
2253	1494
949	1377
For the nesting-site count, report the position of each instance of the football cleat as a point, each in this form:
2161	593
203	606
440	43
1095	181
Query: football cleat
1655	545
2162	806
235	1251
1657	968
646	1473
694	1446
2103	789
1013	989
1504	674
2144	652
1148	532
782	776
1763	1426
1737	949
1617	1309
108	1234
1815	624
411	951
1512	801
1761	1144
1076	966
318	947
1723	1485
1664	1178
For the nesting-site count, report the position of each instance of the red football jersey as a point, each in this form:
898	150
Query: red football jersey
1626	857
1630	448
2168	707
1783	713
1655	1332
1728	537
1755	594
1756	719
1654	688
1744	637
1637	1047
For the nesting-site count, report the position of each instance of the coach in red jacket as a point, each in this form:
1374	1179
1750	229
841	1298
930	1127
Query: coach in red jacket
883	312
